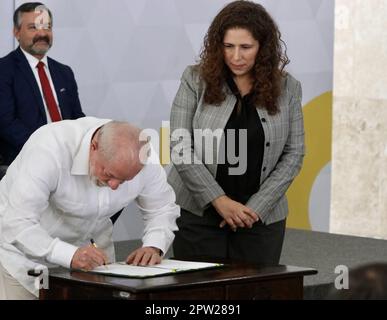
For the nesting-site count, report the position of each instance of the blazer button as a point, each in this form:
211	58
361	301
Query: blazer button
263	120
264	169
267	144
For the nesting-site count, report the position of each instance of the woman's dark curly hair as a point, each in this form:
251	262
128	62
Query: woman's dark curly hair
269	63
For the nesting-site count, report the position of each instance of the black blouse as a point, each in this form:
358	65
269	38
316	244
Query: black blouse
244	116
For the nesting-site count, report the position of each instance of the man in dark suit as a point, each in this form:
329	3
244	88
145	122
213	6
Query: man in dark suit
34	89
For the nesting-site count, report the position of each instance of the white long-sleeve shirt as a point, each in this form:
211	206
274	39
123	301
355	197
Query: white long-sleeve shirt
49	206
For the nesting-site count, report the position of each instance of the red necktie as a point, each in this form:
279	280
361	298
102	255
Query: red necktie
48	95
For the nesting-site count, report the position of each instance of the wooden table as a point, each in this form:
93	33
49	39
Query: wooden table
231	282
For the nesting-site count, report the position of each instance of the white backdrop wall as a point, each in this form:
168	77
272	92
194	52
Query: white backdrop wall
6	37
128	56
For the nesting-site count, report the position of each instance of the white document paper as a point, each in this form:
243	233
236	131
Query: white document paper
166	266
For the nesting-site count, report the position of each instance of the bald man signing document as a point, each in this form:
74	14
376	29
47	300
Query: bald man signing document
68	180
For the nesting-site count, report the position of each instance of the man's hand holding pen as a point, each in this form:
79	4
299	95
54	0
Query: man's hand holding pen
88	257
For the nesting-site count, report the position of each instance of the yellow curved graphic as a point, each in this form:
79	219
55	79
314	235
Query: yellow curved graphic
318	141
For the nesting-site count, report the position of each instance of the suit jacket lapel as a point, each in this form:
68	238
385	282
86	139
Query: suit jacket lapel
215	118
24	66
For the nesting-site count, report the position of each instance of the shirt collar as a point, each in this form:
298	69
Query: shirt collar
33	61
82	157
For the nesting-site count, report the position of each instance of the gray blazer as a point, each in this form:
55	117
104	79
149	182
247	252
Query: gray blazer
195	184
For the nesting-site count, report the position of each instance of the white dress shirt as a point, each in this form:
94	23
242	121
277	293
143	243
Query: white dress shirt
49	206
33	62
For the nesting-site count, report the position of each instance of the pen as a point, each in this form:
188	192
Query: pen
95	246
93	243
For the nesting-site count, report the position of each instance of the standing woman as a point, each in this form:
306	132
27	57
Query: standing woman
236	211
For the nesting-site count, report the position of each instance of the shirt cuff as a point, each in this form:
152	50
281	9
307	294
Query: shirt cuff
157	240
62	254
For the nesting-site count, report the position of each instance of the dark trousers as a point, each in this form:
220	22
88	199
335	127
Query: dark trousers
200	237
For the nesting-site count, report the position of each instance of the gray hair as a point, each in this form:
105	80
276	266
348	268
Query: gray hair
120	141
